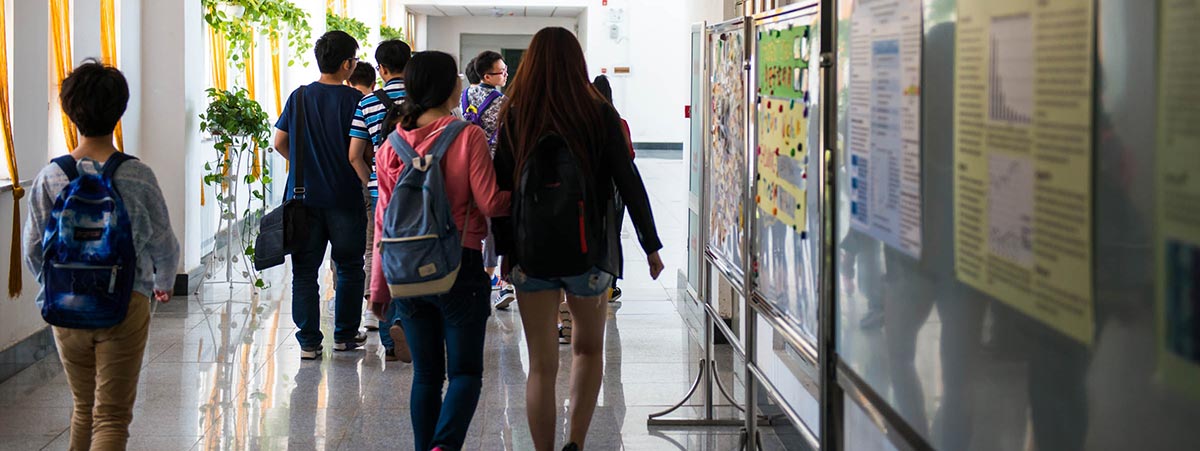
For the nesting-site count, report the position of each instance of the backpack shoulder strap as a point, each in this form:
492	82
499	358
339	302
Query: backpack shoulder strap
384	98
67	164
114	162
447	137
403	149
465	101
487	102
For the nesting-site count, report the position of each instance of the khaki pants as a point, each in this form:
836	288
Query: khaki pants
102	367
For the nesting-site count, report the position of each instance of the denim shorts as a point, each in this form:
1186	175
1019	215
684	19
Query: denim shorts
589	284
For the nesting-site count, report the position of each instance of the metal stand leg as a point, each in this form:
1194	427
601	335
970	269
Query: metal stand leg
708	368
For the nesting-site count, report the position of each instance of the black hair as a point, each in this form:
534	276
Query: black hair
471	73
485	61
430	80
602	85
393	54
94	96
332	49
364	75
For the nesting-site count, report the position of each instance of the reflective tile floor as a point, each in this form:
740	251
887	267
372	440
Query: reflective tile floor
222	372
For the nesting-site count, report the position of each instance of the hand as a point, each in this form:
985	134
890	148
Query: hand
162	296
656	265
379	309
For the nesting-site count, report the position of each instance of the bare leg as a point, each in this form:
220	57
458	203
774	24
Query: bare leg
539	316
587	367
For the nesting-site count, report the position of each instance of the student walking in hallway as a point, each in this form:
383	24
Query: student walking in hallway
319	131
561	149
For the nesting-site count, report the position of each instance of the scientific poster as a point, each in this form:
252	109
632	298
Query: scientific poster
1023	157
1178	193
727	156
885	122
786	74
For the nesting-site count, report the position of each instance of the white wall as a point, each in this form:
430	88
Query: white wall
28	92
444	33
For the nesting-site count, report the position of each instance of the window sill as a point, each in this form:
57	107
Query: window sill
6	185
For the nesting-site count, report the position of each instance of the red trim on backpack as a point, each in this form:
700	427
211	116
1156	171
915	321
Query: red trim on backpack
582	230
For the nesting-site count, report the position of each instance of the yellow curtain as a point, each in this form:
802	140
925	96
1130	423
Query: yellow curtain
10	153
108	49
251	89
60	28
217	47
275	74
383	14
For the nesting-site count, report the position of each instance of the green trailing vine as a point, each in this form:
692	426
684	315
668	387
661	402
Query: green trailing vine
237	20
387	33
353	27
237	124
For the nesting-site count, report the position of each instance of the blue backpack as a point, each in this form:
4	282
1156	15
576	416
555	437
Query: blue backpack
89	262
421	249
475	115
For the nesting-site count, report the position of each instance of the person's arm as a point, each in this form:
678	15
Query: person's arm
629	184
281	144
490	199
358	159
41	202
161	244
387	171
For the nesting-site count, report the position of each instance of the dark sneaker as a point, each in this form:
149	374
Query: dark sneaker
389	355
505	298
347	346
571	447
616	294
564	333
310	353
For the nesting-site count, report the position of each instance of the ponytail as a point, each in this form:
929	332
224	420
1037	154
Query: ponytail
409	113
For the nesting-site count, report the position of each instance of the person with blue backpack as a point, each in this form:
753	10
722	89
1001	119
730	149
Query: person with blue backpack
437	187
99	240
561	151
374	119
480	105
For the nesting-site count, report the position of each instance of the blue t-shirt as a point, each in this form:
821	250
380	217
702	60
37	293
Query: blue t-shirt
329	179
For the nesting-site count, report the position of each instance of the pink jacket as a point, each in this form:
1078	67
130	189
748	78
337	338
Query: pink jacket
470	185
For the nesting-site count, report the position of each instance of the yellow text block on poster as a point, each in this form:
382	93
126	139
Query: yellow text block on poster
1178	194
1023	157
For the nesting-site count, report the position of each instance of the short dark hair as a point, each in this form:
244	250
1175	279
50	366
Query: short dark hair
393	54
332	49
94	96
602	85
485	61
471	73
364	75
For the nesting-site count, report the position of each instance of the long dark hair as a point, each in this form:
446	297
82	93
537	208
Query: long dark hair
430	78
551	93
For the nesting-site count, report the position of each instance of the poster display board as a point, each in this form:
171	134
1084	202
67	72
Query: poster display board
726	148
885	122
1178	194
787	84
1023	157
696	159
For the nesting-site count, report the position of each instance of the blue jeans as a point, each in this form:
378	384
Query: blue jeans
344	229
385	337
445	334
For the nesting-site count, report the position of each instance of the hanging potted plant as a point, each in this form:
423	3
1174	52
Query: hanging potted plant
240	129
387	33
353	27
237	21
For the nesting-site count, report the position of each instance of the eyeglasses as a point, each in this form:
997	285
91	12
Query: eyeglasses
497	73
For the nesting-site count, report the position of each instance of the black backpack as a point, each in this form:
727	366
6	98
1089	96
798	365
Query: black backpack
392	108
558	231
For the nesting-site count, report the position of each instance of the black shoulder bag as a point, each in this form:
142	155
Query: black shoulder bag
285	229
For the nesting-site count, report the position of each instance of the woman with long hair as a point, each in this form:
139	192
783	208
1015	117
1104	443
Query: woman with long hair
555	126
445	333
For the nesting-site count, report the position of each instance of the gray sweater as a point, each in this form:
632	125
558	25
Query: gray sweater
153	241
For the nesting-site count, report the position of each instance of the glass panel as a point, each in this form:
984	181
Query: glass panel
975	368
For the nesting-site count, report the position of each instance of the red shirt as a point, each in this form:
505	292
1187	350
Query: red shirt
470	187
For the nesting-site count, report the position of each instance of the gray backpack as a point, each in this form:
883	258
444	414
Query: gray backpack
421	248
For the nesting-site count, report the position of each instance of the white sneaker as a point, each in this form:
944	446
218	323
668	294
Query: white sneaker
310	354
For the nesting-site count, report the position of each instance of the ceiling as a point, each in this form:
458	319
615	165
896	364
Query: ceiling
491	11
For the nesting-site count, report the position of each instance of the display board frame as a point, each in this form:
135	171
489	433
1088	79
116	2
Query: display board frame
733	267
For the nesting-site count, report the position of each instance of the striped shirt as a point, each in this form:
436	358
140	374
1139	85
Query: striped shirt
368	123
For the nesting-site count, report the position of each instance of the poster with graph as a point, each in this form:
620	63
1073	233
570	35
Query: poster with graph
726	158
1023	157
786	112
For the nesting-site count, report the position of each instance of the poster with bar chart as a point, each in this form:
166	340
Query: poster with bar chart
1023	157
